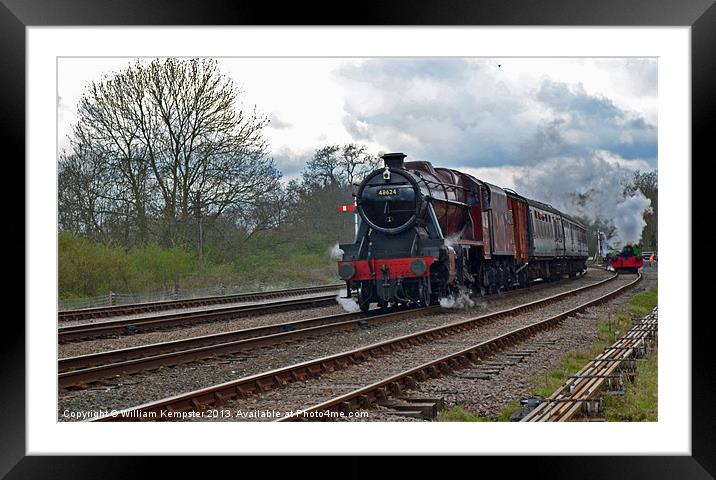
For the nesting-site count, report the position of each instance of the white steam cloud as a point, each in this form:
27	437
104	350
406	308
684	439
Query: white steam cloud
593	187
460	300
348	304
451	240
335	253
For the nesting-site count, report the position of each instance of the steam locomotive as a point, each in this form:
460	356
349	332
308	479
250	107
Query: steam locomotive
629	260
424	233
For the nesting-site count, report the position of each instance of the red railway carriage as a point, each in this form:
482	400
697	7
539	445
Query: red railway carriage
424	232
518	206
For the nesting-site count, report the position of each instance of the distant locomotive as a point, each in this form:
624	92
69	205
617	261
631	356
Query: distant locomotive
629	260
424	233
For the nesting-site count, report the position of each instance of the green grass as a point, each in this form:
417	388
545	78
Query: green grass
569	364
640	400
643	303
507	412
459	414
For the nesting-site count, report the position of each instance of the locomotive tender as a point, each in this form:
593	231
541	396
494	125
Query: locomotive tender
424	233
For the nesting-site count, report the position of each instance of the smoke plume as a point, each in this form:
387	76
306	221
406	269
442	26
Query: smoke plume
596	187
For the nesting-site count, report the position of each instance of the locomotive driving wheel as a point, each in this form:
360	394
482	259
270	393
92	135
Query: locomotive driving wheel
364	295
523	278
424	292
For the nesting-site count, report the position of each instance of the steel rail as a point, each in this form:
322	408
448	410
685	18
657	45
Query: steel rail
78	372
135	308
394	385
102	359
132	325
145	324
130	353
258	383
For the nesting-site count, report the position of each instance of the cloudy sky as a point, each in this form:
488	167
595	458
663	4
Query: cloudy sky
547	127
494	117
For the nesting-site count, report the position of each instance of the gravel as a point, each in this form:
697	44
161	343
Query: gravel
487	397
129	391
305	394
86	347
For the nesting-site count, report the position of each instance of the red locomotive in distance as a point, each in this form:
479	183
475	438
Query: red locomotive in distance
424	233
629	260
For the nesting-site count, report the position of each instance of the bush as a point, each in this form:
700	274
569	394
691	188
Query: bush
88	268
152	266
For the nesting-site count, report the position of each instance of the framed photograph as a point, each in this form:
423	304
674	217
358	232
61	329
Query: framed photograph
418	231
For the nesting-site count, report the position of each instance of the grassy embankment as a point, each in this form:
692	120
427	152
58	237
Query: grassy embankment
88	268
639	403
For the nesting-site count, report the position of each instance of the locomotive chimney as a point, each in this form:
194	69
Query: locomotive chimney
394	160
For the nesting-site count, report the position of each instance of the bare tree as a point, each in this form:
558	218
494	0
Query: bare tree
105	133
326	183
335	165
80	200
355	162
324	168
176	147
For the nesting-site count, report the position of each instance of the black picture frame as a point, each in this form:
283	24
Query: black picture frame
700	15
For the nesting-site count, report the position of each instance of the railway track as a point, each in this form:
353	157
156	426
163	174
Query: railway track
254	384
131	326
138	325
81	371
395	385
137	308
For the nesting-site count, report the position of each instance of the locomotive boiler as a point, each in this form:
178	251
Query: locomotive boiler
425	232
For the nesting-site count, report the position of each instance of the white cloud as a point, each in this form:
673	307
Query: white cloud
502	176
480	113
463	113
275	121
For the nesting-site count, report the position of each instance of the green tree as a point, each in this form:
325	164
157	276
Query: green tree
647	183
